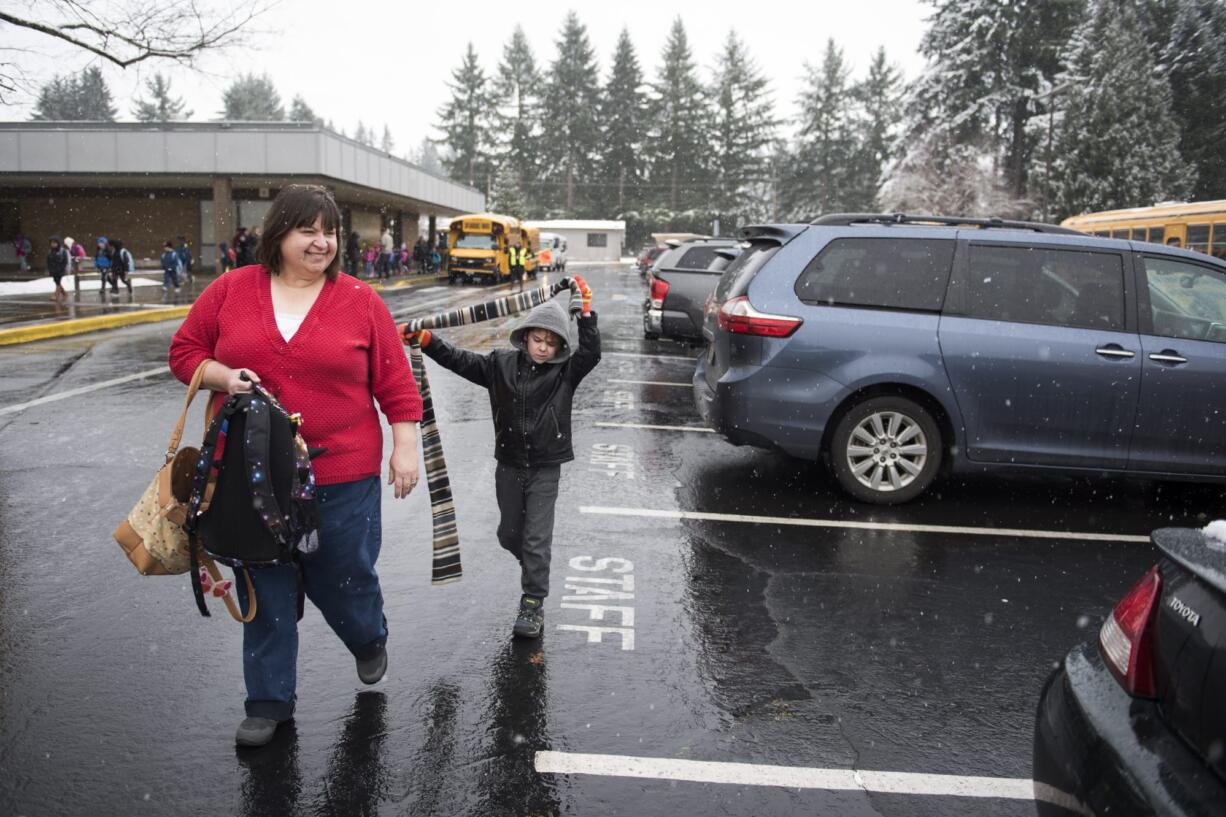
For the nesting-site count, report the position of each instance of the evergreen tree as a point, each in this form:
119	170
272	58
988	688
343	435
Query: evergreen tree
300	111
507	196
81	98
878	101
572	141
623	115
252	99
988	61
160	106
743	136
386	143
364	135
427	158
1195	61
465	124
818	178
518	120
1117	144
678	140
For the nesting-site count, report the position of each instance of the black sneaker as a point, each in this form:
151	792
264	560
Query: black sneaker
531	619
255	731
371	670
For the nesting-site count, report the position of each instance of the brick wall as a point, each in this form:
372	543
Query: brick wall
141	222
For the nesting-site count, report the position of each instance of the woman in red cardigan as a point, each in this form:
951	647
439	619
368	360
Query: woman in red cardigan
325	344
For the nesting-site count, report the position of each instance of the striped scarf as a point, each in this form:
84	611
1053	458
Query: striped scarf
446	537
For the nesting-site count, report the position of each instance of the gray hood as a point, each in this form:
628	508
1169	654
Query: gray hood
551	315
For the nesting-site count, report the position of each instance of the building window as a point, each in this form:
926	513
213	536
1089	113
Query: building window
598	239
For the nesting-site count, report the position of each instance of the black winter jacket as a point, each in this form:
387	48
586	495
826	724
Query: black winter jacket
530	401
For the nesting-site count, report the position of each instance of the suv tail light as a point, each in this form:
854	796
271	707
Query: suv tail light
658	290
738	315
1127	636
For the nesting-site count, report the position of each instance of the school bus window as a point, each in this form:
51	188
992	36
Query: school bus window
1138	233
1198	238
1156	234
1219	239
1103	233
1120	233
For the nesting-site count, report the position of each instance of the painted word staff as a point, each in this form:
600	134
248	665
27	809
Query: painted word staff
606	592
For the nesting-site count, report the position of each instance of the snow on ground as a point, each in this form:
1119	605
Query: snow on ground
40	286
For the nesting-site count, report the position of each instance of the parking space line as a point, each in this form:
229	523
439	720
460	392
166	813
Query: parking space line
787	777
64	395
655	427
1020	533
651	357
652	383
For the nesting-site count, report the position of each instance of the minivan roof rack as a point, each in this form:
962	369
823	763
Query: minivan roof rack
846	219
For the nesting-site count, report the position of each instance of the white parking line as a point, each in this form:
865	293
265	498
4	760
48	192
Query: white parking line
1023	533
693	359
652	383
64	395
787	777
654	427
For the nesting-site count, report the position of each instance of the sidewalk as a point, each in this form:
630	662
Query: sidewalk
29	314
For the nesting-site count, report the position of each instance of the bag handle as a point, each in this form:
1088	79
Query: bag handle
173	446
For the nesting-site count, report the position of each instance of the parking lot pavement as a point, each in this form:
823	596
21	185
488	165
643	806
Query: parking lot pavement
726	634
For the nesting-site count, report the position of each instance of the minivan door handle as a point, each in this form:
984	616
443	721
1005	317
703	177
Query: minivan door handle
1168	356
1114	350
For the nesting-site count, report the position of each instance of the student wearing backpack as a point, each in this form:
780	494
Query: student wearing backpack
122	264
325	345
103	257
171	265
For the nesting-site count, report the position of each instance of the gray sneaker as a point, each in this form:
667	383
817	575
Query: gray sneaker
255	731
372	670
531	618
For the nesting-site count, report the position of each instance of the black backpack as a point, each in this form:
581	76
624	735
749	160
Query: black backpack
255	505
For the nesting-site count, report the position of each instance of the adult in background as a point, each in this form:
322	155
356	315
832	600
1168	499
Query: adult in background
57	266
326	345
353	249
238	244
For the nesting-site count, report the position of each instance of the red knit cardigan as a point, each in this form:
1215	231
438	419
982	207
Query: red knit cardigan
346	352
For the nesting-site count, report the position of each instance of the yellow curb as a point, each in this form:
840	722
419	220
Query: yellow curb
417	282
79	326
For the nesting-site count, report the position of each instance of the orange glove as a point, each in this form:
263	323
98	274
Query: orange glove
585	292
422	337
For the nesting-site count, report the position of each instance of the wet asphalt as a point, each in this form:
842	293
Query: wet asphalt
750	643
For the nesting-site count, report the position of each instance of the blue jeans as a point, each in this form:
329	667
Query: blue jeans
339	578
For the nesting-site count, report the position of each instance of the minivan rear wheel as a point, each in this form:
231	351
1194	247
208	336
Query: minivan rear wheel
886	450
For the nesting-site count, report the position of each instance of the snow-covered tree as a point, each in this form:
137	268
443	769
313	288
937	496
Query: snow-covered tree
678	141
84	97
252	99
300	111
744	136
878	109
465	124
624	116
518	119
507	196
572	100
1194	58
1117	141
386	143
427	157
817	179
159	106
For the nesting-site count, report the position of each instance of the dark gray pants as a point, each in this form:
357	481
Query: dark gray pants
526	498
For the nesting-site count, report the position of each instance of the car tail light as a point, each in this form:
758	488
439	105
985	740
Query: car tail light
739	316
1127	636
658	290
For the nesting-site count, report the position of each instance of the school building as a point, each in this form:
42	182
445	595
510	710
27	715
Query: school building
145	183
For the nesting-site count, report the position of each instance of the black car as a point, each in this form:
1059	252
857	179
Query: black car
1136	724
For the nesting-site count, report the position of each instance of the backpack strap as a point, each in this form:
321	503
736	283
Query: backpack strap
258	449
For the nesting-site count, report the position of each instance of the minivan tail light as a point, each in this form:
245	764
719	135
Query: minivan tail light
658	290
738	316
1127	636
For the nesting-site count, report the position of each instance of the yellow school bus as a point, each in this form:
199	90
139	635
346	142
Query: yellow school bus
1198	226
531	238
478	246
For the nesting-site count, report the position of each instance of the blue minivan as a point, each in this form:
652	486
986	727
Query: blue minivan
897	347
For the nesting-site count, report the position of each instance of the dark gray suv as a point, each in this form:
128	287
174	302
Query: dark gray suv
895	346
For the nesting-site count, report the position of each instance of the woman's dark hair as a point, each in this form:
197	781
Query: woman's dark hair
297	205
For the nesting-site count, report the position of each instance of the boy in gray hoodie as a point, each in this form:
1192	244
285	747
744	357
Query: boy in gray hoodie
531	388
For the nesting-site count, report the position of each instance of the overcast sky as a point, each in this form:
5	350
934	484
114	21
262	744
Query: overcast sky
385	62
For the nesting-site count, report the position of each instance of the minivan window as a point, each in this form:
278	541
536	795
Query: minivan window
891	273
1057	287
1186	300
696	258
741	271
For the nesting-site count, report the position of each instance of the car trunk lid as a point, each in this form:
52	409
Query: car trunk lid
1190	641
